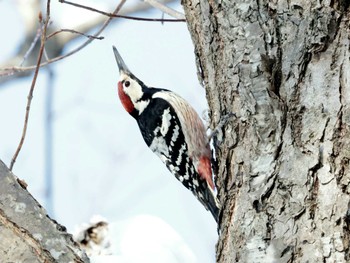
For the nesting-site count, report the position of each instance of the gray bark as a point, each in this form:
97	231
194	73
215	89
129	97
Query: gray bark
283	164
27	234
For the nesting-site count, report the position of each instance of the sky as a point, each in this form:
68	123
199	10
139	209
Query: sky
101	164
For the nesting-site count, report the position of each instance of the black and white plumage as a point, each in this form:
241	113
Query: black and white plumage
173	130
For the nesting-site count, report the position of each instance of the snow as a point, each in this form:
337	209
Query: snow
143	238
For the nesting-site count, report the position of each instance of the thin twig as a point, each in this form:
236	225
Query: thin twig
166	9
73	32
149	19
38	65
48	139
87	42
45	53
32	45
31	91
182	19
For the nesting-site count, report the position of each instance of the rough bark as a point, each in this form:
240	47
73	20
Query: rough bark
283	164
27	234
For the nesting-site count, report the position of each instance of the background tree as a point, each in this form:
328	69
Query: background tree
283	164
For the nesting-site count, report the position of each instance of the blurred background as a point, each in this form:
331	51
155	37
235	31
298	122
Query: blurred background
83	154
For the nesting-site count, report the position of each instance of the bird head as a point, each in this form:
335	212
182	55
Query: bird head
131	90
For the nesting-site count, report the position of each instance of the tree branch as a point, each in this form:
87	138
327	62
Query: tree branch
14	69
73	32
166	9
27	233
158	5
39	64
32	45
31	91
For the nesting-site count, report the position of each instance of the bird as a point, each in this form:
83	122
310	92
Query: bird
173	130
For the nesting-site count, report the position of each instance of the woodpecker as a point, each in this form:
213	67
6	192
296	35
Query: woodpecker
173	130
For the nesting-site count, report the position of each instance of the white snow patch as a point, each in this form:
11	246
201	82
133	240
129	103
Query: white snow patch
145	239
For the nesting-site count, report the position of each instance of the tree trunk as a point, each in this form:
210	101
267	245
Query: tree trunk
27	234
283	164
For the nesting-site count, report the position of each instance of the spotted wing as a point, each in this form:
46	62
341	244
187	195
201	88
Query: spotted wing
162	132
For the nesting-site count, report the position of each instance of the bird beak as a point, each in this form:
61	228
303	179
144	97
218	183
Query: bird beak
121	64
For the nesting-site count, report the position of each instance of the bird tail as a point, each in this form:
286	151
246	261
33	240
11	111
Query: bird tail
211	202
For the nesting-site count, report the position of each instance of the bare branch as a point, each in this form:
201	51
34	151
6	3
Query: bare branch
181	19
31	91
39	64
45	54
32	45
134	8
74	32
166	9
11	70
150	19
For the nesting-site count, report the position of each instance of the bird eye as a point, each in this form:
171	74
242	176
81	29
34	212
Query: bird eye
127	83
